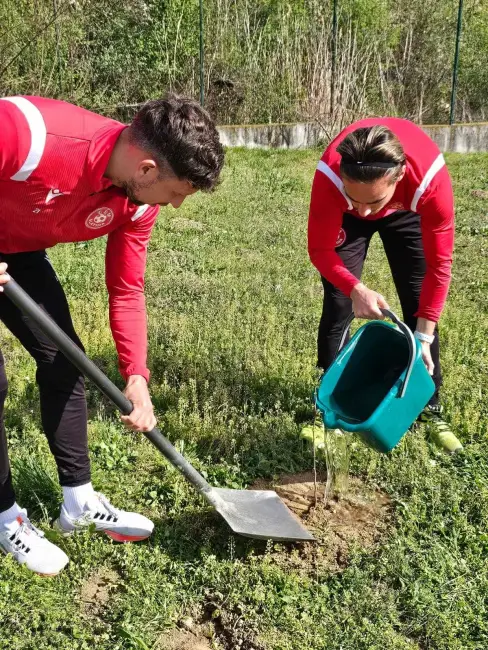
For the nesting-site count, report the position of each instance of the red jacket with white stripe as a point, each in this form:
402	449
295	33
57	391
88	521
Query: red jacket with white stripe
425	189
53	156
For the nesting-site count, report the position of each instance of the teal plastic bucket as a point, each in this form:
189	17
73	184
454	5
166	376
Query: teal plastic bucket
378	384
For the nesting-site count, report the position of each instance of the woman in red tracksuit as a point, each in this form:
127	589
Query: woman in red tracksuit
384	175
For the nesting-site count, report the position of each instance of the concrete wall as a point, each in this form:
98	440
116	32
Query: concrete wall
461	138
280	136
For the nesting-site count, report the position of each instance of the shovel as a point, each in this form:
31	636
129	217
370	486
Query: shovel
259	514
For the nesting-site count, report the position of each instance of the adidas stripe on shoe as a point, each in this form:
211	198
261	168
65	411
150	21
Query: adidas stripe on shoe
28	545
120	525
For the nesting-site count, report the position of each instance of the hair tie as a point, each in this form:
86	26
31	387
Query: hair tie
383	165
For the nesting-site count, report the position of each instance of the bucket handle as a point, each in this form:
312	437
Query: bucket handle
406	331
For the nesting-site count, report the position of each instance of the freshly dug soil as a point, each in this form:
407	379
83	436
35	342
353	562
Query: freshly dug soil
357	520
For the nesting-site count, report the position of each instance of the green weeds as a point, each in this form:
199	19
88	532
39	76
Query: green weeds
233	310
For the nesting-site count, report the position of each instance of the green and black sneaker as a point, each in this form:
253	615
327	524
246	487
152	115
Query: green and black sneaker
439	431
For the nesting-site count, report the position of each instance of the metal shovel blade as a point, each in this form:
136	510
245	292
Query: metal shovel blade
259	514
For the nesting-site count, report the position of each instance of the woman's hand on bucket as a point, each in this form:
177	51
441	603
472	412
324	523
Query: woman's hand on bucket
427	357
4	276
426	330
367	303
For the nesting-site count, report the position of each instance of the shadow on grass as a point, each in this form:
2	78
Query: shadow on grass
36	489
242	388
212	398
195	535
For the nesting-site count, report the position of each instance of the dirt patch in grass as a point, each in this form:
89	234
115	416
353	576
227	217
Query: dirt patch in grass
357	520
184	640
180	224
231	630
96	591
213	628
480	194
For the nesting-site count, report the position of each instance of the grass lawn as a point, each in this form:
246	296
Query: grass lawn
233	308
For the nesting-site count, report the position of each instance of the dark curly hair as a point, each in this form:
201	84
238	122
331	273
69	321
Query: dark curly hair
180	134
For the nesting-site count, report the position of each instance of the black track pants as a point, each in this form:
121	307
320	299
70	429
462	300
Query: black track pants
61	387
402	241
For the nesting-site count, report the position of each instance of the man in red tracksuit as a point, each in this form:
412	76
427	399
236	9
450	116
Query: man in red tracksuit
387	176
69	175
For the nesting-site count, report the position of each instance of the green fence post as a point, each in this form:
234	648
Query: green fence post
456	62
201	55
334	55
58	46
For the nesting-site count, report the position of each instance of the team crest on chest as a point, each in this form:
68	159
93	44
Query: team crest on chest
99	218
396	206
341	237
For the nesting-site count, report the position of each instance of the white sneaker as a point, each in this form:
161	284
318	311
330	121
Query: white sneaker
29	546
121	526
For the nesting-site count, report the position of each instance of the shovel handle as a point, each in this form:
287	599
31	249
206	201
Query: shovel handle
79	359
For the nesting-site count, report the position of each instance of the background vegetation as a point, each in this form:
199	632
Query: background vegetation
265	60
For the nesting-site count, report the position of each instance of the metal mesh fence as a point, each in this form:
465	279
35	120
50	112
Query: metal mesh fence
253	61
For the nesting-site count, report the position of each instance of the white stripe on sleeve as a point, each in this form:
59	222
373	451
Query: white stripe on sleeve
38	136
436	166
139	212
325	169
